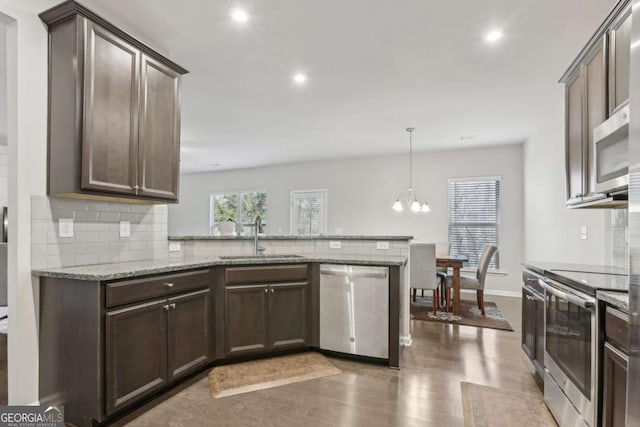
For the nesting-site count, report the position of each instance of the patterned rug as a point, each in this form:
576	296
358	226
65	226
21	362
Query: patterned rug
229	380
488	406
422	309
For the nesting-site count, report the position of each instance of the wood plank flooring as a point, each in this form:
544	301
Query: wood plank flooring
424	392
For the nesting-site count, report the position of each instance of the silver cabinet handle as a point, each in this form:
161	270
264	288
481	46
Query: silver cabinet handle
266	291
135	187
166	307
272	291
173	305
169	285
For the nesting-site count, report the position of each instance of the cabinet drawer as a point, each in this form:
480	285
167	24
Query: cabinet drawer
128	291
617	329
265	274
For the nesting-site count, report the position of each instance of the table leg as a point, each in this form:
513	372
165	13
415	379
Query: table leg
456	291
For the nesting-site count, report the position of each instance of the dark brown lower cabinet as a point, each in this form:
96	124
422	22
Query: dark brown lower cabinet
533	328
260	318
288	312
150	344
136	352
614	388
246	319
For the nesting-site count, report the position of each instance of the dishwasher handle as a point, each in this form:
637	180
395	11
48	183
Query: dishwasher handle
573	299
372	273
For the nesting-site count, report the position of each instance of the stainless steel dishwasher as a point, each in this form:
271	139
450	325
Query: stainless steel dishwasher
354	310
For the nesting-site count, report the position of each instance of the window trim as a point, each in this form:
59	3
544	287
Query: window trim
325	209
238	193
493	270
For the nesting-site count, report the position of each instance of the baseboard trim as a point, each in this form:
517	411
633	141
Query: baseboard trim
406	341
495	293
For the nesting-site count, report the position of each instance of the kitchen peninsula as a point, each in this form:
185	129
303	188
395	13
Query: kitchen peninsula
144	326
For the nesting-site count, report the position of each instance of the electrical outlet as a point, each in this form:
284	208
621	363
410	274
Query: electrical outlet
583	232
335	245
175	247
125	229
65	227
382	245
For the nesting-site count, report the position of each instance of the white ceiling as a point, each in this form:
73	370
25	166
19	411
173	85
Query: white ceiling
375	67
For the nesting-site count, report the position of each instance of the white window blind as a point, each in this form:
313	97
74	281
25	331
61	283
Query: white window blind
308	212
474	217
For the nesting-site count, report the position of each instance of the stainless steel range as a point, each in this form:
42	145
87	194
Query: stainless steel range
571	354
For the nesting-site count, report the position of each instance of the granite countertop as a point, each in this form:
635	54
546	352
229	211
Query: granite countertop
585	278
619	300
121	270
289	237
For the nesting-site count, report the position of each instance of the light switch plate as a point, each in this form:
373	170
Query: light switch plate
335	245
583	232
65	227
125	229
175	247
382	245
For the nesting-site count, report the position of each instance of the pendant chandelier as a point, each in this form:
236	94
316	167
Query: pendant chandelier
408	199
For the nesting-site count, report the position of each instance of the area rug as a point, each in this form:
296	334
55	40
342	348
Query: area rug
485	406
229	380
422	309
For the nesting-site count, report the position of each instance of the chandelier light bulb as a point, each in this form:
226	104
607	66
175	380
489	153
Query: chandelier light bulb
425	208
415	206
397	206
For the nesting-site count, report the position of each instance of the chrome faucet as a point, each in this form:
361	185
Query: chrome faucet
258	225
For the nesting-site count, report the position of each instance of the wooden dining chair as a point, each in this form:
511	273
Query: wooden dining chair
477	282
422	270
442	248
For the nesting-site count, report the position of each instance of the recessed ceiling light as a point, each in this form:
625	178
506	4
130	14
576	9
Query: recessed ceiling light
493	36
239	15
214	165
468	138
300	78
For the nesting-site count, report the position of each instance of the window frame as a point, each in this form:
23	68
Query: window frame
497	224
239	194
292	221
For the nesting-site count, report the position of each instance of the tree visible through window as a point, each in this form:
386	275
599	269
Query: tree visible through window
474	217
241	207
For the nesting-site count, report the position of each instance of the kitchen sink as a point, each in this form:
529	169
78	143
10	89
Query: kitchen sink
285	256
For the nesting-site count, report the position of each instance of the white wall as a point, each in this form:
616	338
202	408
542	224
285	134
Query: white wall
552	232
361	192
27	150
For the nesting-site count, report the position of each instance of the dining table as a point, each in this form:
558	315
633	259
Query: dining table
455	262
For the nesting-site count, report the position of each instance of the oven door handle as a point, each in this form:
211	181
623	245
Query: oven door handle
586	304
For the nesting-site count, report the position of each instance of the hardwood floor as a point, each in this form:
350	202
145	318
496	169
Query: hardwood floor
424	392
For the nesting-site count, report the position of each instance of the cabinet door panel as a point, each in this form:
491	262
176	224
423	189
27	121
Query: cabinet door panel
614	394
596	105
574	135
619	60
159	148
538	347
189	332
288	312
528	324
136	353
246	319
110	138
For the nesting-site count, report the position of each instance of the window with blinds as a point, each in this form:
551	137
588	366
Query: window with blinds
474	217
308	213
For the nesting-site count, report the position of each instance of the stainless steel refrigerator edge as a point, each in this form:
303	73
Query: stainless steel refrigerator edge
633	375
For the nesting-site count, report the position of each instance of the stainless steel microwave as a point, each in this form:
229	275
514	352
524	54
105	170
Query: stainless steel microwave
611	153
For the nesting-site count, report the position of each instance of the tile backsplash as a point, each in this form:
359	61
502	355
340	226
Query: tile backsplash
96	235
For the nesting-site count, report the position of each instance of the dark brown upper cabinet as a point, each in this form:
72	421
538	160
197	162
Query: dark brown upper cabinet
114	112
596	84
